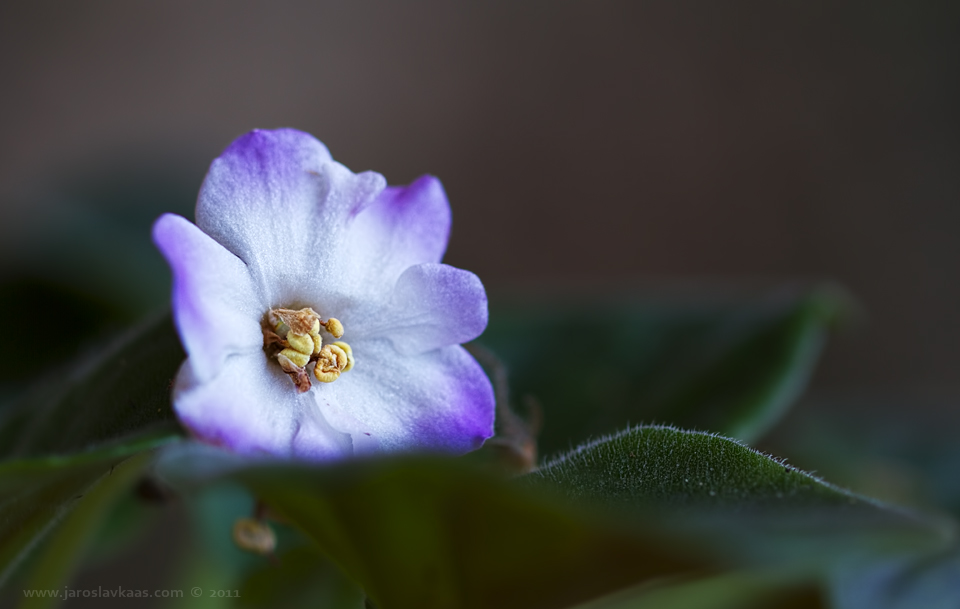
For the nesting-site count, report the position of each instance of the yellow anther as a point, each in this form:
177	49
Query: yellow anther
315	335
330	364
339	356
334	327
298	358
346	349
254	536
301	342
325	377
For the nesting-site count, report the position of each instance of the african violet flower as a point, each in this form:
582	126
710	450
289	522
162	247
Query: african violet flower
316	316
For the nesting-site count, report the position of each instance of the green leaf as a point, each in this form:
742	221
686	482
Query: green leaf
754	506
122	391
930	580
211	561
647	504
729	366
302	577
35	494
862	442
226	576
84	316
425	533
728	591
72	537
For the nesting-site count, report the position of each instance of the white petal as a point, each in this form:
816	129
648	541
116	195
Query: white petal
251	407
436	401
278	201
215	306
403	227
432	306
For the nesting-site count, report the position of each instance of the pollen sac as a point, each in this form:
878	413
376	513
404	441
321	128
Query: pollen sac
315	335
346	349
301	342
334	327
298	358
332	361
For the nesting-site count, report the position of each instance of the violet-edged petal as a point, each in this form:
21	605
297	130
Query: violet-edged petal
404	226
431	306
279	202
439	401
215	303
251	407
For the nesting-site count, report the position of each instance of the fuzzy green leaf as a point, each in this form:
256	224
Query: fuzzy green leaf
757	507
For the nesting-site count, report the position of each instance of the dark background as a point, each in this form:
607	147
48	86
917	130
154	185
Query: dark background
578	141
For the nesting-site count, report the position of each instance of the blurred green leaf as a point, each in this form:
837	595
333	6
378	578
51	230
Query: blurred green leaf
296	576
862	439
211	560
900	448
126	523
301	577
736	590
35	494
72	537
32	300
729	366
122	391
930	580
424	533
647	504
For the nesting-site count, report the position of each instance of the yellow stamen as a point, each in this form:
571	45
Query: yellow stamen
315	335
325	377
334	327
298	358
301	342
346	349
330	364
293	337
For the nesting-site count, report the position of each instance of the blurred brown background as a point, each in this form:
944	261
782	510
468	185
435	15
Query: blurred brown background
577	140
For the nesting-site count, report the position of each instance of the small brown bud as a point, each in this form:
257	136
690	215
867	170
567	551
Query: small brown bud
254	536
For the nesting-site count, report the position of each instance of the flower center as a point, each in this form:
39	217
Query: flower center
293	339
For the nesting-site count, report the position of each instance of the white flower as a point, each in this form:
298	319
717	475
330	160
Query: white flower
283	227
